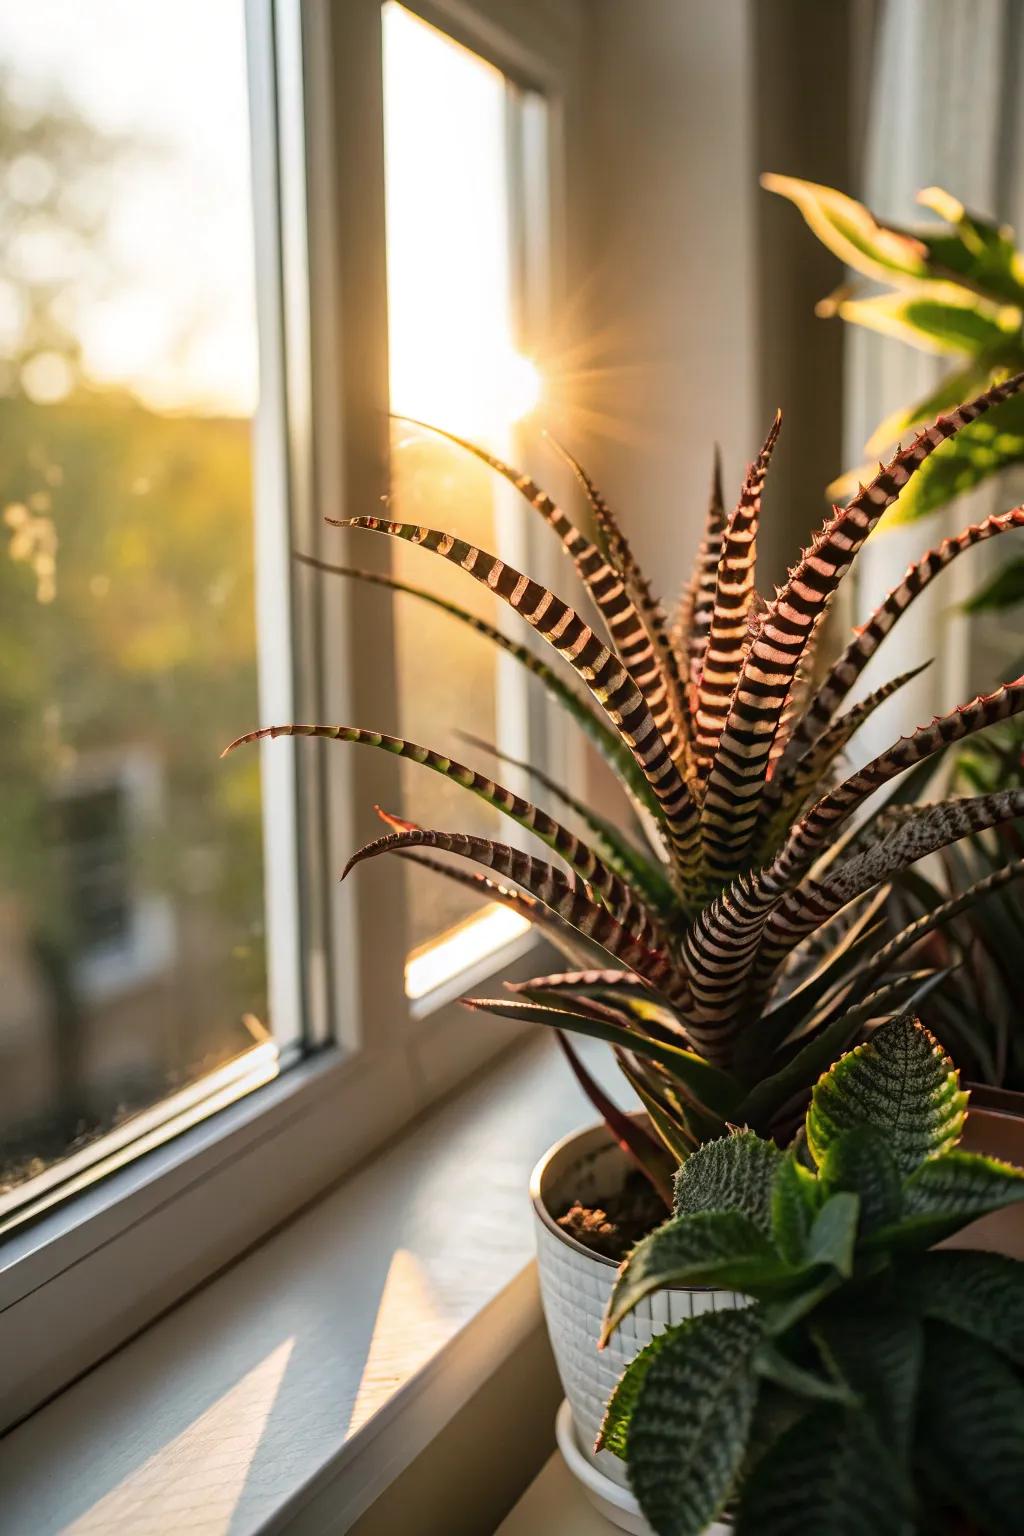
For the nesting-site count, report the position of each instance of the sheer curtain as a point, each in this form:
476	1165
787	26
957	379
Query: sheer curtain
943	109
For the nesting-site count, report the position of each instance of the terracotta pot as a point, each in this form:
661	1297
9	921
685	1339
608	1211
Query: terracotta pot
998	1131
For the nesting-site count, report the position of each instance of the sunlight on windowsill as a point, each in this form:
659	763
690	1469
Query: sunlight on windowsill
432	965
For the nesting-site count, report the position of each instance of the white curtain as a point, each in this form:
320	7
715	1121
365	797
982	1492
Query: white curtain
944	109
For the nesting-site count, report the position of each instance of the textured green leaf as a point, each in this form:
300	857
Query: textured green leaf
691	1421
734	1173
980	1293
714	1248
901	1082
773	1364
833	1235
829	1475
860	1162
795	1199
947	1193
971	1428
877	1350
614	1432
830	1030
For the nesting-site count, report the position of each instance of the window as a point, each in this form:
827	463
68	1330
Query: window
131	868
451	209
194	367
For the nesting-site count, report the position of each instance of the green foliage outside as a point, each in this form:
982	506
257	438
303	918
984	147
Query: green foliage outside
126	626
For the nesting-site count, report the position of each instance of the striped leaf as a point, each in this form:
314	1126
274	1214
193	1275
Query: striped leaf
573	945
865	642
613	592
790	787
641	639
618	896
922	832
589	983
738	778
729	631
607	741
813	832
617	850
697	604
566	895
599	669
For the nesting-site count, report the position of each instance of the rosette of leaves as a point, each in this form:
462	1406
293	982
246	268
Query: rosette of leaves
955	287
729	945
872	1385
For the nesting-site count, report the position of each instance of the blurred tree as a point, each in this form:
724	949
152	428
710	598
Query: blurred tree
126	620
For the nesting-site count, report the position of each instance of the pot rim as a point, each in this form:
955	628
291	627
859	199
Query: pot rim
537	1199
594	1479
999	1111
545	1216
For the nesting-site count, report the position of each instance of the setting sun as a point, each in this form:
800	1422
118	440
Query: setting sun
453	358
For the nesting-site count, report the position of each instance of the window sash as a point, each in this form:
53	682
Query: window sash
130	1245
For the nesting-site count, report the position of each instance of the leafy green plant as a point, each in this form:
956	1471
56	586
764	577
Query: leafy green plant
976	1013
871	1386
954	286
730	947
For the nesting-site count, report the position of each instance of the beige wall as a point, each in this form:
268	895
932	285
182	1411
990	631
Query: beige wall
667	277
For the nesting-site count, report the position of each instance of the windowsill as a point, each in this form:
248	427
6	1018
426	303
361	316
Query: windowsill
304	1379
555	1505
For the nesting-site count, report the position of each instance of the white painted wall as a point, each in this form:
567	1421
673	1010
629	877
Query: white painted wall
665	283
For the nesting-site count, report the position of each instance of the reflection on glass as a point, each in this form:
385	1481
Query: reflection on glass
131	926
453	363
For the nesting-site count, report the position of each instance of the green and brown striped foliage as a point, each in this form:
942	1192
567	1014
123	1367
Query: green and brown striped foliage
732	942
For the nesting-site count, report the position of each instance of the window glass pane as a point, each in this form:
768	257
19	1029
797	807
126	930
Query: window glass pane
453	363
131	905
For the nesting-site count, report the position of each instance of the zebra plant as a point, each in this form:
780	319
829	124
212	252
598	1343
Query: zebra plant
730	958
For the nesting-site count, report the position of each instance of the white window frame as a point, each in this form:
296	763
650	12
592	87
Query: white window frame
93	1270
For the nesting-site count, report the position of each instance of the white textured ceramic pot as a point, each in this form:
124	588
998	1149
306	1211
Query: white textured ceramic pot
575	1285
618	1506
